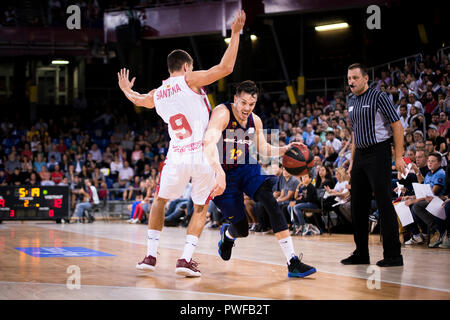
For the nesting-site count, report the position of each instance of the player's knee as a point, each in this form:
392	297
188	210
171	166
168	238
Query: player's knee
239	229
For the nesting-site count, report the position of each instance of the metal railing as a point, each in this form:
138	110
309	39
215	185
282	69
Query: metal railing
417	57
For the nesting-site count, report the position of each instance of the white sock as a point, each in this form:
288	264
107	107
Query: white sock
152	242
189	247
288	248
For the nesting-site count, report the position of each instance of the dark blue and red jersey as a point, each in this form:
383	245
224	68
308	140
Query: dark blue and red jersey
236	142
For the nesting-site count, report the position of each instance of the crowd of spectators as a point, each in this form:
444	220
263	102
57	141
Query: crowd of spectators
123	161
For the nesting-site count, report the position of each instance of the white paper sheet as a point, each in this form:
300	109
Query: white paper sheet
407	170
399	189
436	209
422	190
403	213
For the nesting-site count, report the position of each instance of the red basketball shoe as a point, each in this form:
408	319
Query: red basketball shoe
188	269
148	264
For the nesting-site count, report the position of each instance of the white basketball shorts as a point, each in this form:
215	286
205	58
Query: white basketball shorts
174	178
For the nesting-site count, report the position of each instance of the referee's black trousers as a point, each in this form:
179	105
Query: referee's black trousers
371	172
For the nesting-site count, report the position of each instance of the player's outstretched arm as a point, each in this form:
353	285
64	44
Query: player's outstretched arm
266	149
139	99
218	122
198	79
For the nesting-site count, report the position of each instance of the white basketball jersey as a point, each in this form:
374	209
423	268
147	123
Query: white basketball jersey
187	115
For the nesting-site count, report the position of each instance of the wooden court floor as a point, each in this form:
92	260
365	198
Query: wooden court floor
257	269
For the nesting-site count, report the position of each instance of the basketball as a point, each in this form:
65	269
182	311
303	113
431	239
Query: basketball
297	160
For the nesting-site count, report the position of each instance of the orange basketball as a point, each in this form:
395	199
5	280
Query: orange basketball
297	160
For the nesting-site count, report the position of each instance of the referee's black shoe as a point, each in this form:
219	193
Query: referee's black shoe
391	262
356	259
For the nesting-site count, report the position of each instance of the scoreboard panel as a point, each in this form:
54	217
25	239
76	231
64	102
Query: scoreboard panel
34	203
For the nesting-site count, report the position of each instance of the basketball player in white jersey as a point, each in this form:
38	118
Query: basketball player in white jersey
183	105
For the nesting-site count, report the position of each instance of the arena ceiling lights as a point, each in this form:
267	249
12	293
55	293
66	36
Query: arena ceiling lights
60	62
333	26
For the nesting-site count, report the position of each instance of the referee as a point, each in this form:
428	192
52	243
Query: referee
374	122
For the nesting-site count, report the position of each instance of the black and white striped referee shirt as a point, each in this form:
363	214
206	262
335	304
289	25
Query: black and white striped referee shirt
370	117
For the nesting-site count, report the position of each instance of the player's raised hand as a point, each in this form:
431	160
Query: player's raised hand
297	144
239	22
124	83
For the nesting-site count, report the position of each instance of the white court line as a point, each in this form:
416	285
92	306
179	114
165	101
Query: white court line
138	288
267	262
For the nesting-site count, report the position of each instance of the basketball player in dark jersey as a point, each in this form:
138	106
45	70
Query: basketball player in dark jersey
237	171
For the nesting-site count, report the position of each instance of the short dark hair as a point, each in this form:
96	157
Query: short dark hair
247	86
309	174
177	58
359	66
437	155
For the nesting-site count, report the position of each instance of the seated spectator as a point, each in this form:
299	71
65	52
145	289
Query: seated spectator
97	177
115	167
439	142
126	173
90	198
404	117
33	181
305	197
413	102
136	154
173	212
133	190
75	187
108	157
90	163
444	124
141	163
309	135
431	103
15	178
12	163
96	153
52	164
45	177
436	179
64	182
26	152
78	163
57	175
54	153
103	191
330	155
285	191
324	178
344	156
338	193
333	141
142	208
